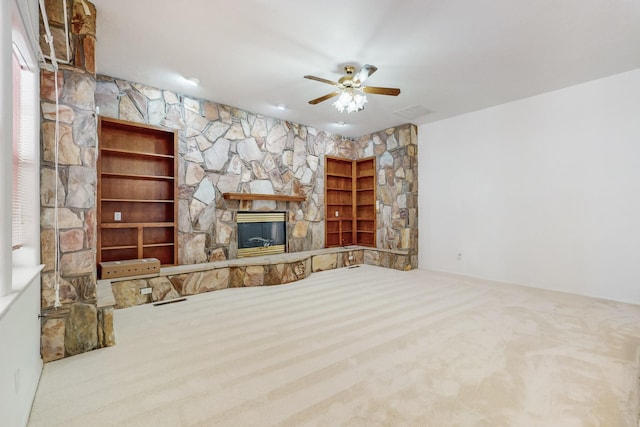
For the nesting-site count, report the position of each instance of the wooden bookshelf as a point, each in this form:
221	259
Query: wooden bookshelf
365	206
137	169
350	200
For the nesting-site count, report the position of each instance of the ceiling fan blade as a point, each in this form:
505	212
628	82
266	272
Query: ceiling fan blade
320	79
381	90
324	98
364	73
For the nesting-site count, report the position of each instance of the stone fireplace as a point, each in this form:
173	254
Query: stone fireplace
222	150
261	233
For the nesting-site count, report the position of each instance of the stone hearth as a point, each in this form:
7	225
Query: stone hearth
180	281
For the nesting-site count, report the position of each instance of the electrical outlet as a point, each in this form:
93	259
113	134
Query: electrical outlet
117	216
146	291
337	213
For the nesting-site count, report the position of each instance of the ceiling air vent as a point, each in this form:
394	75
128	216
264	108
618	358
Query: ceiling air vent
412	112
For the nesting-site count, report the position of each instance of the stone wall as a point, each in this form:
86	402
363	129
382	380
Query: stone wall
73	327
224	149
396	153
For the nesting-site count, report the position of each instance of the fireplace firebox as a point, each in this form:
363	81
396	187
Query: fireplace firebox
261	233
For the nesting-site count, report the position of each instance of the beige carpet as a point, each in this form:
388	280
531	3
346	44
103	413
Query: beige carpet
358	347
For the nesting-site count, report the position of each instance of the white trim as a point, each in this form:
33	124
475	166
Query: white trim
21	278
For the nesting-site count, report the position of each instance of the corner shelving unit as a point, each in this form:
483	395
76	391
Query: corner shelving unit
137	189
350	195
365	182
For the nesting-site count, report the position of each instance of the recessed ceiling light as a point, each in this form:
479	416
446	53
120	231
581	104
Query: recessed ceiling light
193	80
340	123
281	106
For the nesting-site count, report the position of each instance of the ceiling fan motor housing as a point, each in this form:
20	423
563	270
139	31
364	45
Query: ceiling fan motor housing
347	81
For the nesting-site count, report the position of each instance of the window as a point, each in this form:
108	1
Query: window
17	188
24	160
19	137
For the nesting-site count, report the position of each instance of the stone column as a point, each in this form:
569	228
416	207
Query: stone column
396	152
71	328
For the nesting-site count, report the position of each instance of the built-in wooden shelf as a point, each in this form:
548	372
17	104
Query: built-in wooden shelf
250	196
350	195
137	170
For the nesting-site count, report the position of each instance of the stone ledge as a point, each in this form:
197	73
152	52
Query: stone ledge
178	281
258	260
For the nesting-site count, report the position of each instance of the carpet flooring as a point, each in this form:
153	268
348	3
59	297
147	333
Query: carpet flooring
366	346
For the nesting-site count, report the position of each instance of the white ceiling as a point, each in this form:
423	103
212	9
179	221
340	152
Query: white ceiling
447	56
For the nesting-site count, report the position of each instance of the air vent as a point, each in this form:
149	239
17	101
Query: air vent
413	112
157	304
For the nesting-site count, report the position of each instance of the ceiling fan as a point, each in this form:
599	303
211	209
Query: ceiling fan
351	90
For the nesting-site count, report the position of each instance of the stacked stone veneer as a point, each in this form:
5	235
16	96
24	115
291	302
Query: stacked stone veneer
224	149
221	149
78	325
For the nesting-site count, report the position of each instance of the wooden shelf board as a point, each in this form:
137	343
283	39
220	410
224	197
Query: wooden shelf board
137	176
250	196
136	153
136	224
157	245
112	248
339	175
137	200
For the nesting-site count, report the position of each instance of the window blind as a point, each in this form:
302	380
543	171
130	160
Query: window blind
23	184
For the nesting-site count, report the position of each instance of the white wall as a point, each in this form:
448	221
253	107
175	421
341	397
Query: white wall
543	191
20	362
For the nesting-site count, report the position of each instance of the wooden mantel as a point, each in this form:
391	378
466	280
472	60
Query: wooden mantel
250	196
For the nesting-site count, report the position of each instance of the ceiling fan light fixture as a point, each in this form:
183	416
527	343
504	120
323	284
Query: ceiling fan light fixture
350	91
351	100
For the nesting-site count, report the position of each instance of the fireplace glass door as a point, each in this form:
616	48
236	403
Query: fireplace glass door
261	233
